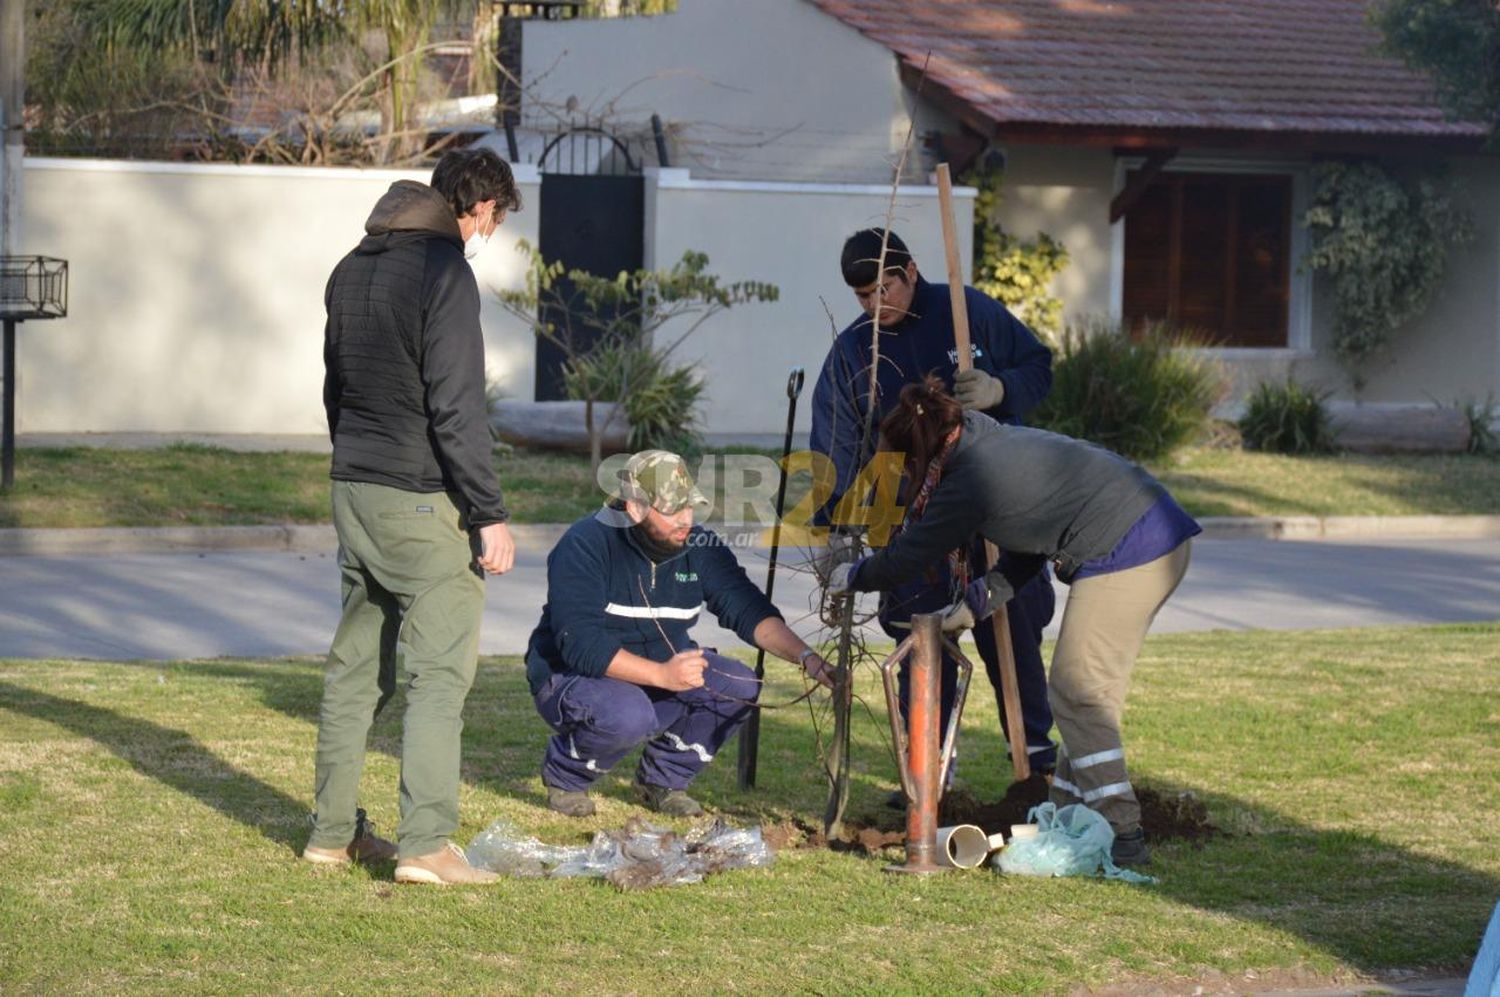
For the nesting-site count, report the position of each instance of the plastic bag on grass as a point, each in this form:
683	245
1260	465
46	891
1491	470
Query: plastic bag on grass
1072	841
501	848
637	856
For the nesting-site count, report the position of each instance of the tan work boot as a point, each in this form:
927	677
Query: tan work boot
368	849
365	847
445	867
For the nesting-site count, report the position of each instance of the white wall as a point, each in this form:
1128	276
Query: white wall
790	235
196	294
1065	192
752	89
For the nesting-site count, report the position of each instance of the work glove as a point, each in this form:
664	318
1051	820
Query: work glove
981	598
969	609
843	548
977	391
841	578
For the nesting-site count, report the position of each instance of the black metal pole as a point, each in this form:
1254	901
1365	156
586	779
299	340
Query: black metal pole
9	444
510	143
750	733
661	142
508	57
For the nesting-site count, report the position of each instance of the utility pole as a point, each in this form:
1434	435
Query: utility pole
12	90
12	95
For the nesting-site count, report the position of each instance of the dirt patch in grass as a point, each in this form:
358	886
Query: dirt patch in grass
794	832
1166	817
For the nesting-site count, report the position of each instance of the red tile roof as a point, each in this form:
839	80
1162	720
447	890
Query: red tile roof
1227	65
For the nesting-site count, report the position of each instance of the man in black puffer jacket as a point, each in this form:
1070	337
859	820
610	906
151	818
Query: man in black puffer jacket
416	504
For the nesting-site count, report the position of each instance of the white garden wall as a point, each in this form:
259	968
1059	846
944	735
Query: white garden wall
196	291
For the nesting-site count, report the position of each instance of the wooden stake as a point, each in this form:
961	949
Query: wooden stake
955	270
1010	690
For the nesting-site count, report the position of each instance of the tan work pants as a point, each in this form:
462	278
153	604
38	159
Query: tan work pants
1103	627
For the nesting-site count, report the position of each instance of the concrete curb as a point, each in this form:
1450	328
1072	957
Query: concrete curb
321	539
1350	527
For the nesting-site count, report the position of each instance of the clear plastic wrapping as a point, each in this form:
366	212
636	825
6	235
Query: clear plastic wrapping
638	856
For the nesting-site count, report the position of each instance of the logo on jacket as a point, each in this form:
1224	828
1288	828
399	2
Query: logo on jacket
974	351
685	576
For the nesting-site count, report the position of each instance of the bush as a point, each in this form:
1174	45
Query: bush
1286	418
1483	438
607	328
660	400
1383	243
1016	272
1142	398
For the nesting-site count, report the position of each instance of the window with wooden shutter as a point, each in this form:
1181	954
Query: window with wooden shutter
1211	253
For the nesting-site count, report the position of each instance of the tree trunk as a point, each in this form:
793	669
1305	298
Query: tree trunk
837	759
596	438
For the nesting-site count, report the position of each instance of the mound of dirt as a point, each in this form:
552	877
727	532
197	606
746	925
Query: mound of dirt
962	807
1177	817
792	833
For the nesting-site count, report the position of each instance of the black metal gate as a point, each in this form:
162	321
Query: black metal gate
593	202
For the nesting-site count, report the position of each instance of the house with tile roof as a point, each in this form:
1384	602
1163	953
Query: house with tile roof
1168	144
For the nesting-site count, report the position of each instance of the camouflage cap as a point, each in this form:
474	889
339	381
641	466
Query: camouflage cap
660	479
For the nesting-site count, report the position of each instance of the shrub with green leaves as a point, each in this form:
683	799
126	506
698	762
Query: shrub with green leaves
618	333
1016	272
1482	420
1286	418
1384	245
1142	397
660	400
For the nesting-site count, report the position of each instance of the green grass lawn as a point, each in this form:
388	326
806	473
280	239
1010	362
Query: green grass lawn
1221	482
152	812
193	485
190	484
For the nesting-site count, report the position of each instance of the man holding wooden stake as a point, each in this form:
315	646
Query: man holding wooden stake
1011	373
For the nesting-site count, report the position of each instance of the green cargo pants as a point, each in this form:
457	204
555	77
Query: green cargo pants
412	601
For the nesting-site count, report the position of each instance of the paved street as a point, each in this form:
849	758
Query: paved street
262	603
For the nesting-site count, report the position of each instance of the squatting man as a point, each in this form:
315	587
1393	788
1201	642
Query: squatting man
612	664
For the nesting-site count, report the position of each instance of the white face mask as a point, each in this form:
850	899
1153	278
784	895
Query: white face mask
475	243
